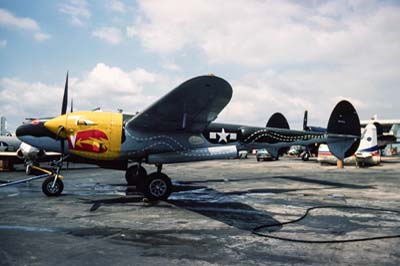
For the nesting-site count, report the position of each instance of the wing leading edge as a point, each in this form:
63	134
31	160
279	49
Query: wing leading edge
190	107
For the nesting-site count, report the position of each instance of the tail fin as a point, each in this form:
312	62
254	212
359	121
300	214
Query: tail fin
379	129
369	139
278	120
343	130
305	127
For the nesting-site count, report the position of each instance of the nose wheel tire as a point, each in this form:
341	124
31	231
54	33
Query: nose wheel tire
158	186
51	189
135	174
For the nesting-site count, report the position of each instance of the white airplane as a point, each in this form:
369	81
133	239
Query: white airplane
368	152
388	130
15	151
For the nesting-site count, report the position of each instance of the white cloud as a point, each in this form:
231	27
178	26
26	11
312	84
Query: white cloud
3	43
117	6
40	37
171	66
259	94
77	10
298	55
131	31
103	86
291	56
9	20
109	34
256	96
20	99
261	33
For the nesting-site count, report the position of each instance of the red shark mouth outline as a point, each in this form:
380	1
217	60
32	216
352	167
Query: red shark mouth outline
92	140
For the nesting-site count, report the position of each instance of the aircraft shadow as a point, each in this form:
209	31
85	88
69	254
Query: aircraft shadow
292	178
236	214
323	182
204	201
219	205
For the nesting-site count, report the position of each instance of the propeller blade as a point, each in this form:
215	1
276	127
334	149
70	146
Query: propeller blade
72	105
62	147
65	98
305	127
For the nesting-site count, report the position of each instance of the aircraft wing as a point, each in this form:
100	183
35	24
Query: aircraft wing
190	107
15	158
10	156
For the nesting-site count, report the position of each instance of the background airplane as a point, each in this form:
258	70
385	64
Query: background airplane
388	130
368	153
14	151
176	128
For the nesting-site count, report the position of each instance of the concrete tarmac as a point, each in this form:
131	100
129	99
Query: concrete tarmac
209	218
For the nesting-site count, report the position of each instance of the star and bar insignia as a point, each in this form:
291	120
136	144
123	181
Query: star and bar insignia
223	136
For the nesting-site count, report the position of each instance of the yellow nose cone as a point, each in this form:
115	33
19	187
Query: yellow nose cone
54	124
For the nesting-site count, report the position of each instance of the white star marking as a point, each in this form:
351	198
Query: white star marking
3	146
223	136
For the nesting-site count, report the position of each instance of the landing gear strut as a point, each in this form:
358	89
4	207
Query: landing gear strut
135	174
28	167
155	186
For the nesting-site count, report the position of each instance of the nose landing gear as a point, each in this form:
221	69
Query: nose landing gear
53	185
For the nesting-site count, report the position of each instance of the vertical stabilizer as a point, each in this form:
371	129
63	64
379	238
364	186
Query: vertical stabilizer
369	139
278	120
344	120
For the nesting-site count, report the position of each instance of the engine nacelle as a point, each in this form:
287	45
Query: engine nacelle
26	151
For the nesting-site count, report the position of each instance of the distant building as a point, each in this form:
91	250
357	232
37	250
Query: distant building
3	126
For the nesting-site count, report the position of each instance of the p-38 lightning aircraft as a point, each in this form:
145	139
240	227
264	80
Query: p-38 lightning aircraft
177	128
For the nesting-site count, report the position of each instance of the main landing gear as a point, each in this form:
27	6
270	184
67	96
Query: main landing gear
155	186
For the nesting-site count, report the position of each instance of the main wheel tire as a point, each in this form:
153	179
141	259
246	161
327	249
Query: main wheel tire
49	190
158	186
135	174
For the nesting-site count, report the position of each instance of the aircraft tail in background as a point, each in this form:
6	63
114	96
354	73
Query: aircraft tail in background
367	153
343	122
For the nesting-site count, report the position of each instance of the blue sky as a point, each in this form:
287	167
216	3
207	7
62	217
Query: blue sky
284	56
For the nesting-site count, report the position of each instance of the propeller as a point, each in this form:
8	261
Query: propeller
60	136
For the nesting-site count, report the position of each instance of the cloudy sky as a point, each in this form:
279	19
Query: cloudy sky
284	56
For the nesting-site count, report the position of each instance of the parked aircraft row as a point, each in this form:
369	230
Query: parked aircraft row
177	128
